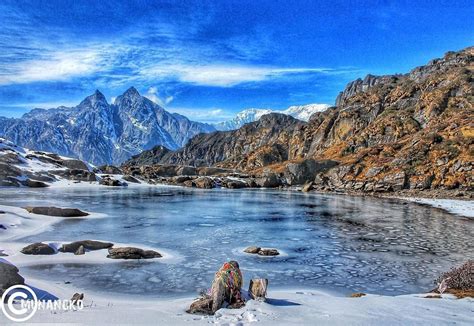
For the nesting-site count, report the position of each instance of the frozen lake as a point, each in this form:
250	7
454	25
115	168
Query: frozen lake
333	242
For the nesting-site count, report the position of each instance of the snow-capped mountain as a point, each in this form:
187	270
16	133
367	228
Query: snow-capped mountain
99	132
243	117
301	112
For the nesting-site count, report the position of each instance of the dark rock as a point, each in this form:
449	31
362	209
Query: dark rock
34	184
268	252
45	158
201	306
40	176
397	181
110	169
38	248
298	173
86	244
233	184
132	253
111	182
77	297
212	171
2	212
74	174
269	180
75	165
373	171
180	179
204	182
186	170
56	211
11	158
7	170
252	250
131	179
258	288
9	276
9	182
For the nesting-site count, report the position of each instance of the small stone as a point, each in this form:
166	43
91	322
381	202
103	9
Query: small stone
132	253
77	297
86	244
357	295
38	248
252	250
258	288
307	187
268	252
201	306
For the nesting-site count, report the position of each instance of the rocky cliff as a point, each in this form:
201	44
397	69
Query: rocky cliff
413	130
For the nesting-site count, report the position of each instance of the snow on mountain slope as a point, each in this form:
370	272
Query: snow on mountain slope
304	112
243	117
301	112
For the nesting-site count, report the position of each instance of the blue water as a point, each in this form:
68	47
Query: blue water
333	242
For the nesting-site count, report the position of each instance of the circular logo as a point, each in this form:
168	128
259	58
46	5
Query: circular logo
27	308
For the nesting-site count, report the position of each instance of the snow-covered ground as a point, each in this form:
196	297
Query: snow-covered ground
454	206
283	307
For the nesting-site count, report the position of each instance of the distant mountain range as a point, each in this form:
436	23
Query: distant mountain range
99	132
110	133
301	112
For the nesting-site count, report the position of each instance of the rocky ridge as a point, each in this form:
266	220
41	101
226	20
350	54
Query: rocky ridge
388	133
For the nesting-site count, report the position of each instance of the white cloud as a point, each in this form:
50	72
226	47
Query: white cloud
55	66
154	95
223	75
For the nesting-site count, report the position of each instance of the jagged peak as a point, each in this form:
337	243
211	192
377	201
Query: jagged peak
97	97
132	91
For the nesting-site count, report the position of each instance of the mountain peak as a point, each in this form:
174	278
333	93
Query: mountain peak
132	91
97	97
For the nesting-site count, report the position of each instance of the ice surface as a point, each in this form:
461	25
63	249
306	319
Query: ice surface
332	242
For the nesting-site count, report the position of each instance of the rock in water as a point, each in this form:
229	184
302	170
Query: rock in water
252	250
9	276
38	248
56	211
268	252
86	244
77	297
201	306
80	251
258	288
132	253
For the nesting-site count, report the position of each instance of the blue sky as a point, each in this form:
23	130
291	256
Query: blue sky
210	59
